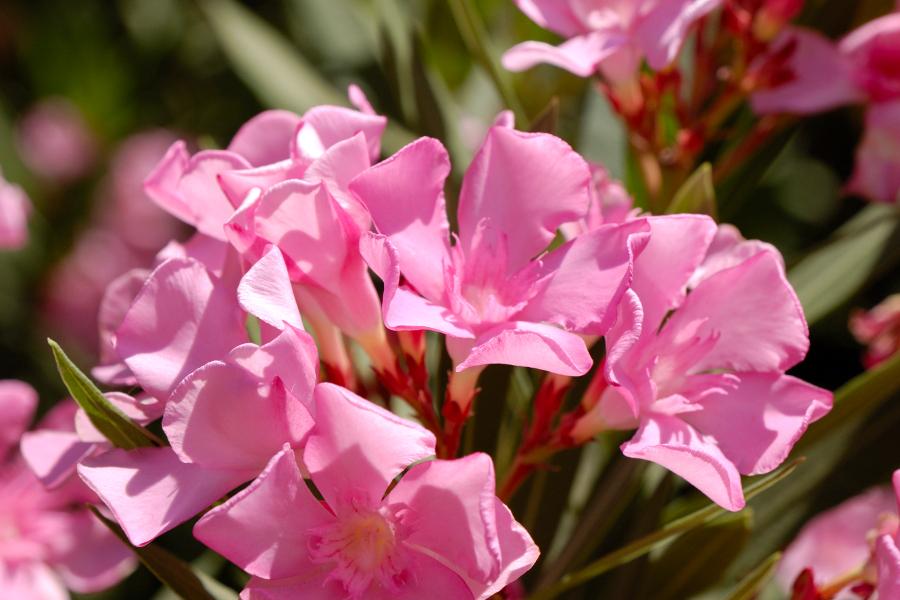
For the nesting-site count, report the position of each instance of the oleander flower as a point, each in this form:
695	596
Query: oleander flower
850	547
877	171
14	210
55	142
703	380
49	540
439	531
496	294
879	330
612	36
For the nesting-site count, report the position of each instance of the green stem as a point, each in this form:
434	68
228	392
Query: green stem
473	32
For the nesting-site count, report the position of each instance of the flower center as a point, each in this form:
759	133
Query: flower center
361	547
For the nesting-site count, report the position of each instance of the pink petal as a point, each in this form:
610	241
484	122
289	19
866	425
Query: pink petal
291	357
335	123
346	451
752	301
424	578
150	491
678	245
887	560
876	175
822	78
237	184
18	401
675	445
757	424
223	417
142	411
186	187
117	299
266	293
834	543
522	186
337	167
405	196
728	249
53	455
402	307
661	33
532	345
182	318
263	528
580	55
14	210
554	15
517	550
31	581
96	559
584	279
266	138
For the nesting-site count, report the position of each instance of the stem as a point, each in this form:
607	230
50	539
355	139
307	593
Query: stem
473	32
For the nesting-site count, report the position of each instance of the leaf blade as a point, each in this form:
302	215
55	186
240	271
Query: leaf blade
121	431
696	195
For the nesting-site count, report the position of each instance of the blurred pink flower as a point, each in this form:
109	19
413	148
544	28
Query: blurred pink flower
495	294
702	377
879	330
854	543
55	142
14	210
126	231
48	540
612	36
440	532
877	171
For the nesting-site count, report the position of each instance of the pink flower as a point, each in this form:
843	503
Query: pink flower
283	181
55	142
14	211
703	380
879	329
823	75
610	203
612	36
877	171
48	540
440	532
495	294
227	405
851	544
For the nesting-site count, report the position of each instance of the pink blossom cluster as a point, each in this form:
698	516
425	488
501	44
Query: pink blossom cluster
49	541
848	552
861	68
326	493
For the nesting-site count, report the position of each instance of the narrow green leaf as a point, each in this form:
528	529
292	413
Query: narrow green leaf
548	119
830	276
698	560
121	431
750	586
272	68
171	570
696	195
648	543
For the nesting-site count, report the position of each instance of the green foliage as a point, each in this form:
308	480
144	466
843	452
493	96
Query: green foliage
696	195
121	431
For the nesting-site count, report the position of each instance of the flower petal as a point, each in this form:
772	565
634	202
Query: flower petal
518	190
150	491
579	55
532	345
675	445
265	292
263	528
266	138
18	401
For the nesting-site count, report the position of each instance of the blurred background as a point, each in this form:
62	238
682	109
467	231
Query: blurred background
93	92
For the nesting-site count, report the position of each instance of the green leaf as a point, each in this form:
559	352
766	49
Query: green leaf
648	543
749	587
272	68
121	431
171	570
698	559
833	274
696	195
